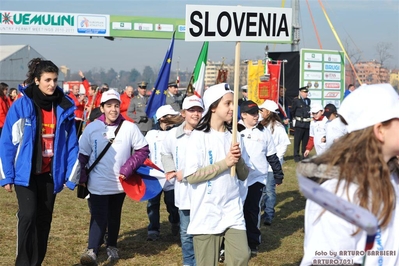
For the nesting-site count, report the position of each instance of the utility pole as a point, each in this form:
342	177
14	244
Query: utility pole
295	25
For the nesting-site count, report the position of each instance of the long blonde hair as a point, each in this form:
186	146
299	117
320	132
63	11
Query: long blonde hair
360	160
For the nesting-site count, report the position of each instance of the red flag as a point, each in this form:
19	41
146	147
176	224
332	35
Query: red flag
268	90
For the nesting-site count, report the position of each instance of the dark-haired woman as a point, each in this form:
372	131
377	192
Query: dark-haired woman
38	151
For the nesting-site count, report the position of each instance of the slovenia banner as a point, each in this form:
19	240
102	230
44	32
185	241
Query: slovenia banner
146	183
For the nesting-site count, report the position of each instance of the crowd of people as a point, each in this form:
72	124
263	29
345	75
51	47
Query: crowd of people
215	198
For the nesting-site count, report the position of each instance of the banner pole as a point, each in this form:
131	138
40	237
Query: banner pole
236	91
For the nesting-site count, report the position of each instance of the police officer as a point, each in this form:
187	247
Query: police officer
136	110
300	112
173	97
244	92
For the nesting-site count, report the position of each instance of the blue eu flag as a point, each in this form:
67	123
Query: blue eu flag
158	95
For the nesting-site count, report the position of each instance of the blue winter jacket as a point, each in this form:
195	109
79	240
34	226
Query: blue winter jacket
18	140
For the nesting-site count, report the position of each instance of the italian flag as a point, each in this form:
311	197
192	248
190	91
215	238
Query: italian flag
199	71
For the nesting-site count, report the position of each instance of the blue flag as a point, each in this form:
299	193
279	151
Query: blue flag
158	95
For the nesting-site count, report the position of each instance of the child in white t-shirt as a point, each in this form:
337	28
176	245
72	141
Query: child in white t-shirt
362	168
272	121
317	130
216	209
335	128
173	156
167	118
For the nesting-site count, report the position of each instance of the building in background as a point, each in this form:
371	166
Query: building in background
212	68
14	61
369	72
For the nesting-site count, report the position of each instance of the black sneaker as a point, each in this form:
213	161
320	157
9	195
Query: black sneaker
152	237
267	222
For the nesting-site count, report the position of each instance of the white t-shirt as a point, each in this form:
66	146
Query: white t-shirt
281	141
334	130
216	204
155	139
176	147
329	232
317	130
104	178
258	145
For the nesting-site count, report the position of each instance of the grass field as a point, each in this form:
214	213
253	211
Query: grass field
282	242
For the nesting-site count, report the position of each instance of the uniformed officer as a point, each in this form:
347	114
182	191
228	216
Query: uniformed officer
300	113
173	97
137	107
244	92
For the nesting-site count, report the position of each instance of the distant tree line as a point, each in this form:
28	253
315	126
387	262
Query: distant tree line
124	78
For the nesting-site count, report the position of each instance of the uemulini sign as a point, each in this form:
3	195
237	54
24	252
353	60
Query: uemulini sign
51	23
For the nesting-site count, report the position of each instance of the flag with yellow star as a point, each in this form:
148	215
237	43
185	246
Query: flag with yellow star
158	95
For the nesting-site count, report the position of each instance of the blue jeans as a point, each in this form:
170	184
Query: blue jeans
187	245
153	206
270	197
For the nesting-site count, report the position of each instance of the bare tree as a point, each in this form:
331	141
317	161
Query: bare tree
383	55
355	56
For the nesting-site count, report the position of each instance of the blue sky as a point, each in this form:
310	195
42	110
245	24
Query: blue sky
361	23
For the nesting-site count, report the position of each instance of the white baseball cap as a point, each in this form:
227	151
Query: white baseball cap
316	107
269	105
369	105
165	110
192	101
214	93
110	94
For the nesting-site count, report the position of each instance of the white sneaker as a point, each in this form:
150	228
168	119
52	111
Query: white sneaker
112	253
89	258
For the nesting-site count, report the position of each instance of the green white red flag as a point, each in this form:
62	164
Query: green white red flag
199	71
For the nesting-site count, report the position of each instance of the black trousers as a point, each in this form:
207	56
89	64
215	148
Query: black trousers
252	209
35	213
301	136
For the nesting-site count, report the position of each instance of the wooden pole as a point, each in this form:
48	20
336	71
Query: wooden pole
236	92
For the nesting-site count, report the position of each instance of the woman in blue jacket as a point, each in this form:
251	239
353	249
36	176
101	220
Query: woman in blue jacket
38	152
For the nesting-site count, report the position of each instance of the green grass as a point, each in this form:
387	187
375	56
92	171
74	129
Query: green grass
282	242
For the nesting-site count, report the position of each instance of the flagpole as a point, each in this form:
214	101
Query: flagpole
236	91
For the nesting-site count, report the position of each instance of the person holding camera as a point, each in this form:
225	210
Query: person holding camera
137	107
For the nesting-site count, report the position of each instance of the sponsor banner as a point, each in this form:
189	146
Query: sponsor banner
312	75
332	76
121	26
148	27
332	95
327	84
332	58
238	23
332	67
164	27
313	57
312	94
312	84
312	66
330	85
54	23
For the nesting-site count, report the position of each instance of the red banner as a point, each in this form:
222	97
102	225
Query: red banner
268	90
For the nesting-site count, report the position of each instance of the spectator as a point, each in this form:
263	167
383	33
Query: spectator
136	110
351	88
126	97
173	97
